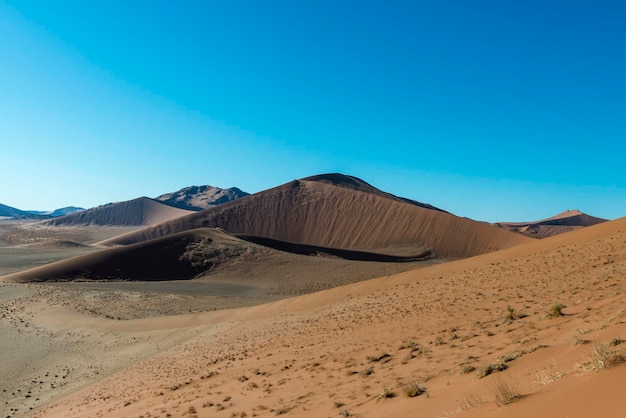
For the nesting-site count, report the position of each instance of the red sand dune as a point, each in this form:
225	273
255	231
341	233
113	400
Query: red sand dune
340	212
566	221
137	212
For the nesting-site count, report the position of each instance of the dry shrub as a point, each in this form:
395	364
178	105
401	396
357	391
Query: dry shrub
604	356
489	369
413	389
556	310
505	392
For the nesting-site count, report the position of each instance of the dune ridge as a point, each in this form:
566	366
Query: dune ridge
325	214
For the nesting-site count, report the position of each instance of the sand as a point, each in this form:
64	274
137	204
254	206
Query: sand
355	350
333	215
565	221
137	212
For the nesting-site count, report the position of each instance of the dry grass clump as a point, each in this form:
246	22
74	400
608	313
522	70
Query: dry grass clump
505	392
511	315
466	368
387	394
366	372
489	369
413	389
556	310
471	401
605	356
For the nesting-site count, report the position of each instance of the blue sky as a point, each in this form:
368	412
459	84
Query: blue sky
494	110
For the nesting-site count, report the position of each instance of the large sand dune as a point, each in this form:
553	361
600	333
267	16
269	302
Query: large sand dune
340	212
566	221
269	266
460	331
137	212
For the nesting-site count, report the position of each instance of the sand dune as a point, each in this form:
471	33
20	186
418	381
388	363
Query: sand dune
566	221
137	212
439	341
177	256
340	212
273	267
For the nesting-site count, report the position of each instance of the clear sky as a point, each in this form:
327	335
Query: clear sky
495	110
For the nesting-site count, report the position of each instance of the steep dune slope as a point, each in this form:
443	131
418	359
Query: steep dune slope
137	212
334	214
566	221
358	350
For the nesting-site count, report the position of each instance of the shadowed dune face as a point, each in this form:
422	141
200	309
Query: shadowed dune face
325	214
178	256
138	212
566	221
439	341
271	267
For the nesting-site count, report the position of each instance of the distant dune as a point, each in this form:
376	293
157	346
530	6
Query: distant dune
566	221
200	197
137	212
340	212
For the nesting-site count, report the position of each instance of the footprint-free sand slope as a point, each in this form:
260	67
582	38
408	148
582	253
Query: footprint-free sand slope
357	349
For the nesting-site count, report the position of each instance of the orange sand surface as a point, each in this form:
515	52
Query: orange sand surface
466	337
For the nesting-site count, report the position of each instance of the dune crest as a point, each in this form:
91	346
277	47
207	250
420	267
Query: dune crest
340	212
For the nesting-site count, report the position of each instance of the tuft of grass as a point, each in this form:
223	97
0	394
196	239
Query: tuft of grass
505	392
471	401
387	394
604	356
556	310
366	372
488	369
338	404
413	389
511	315
466	368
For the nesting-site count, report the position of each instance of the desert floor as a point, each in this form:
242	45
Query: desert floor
534	330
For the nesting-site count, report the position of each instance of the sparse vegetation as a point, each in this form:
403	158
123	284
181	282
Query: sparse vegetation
413	389
470	401
386	394
605	356
556	310
505	392
511	315
489	369
466	368
366	372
